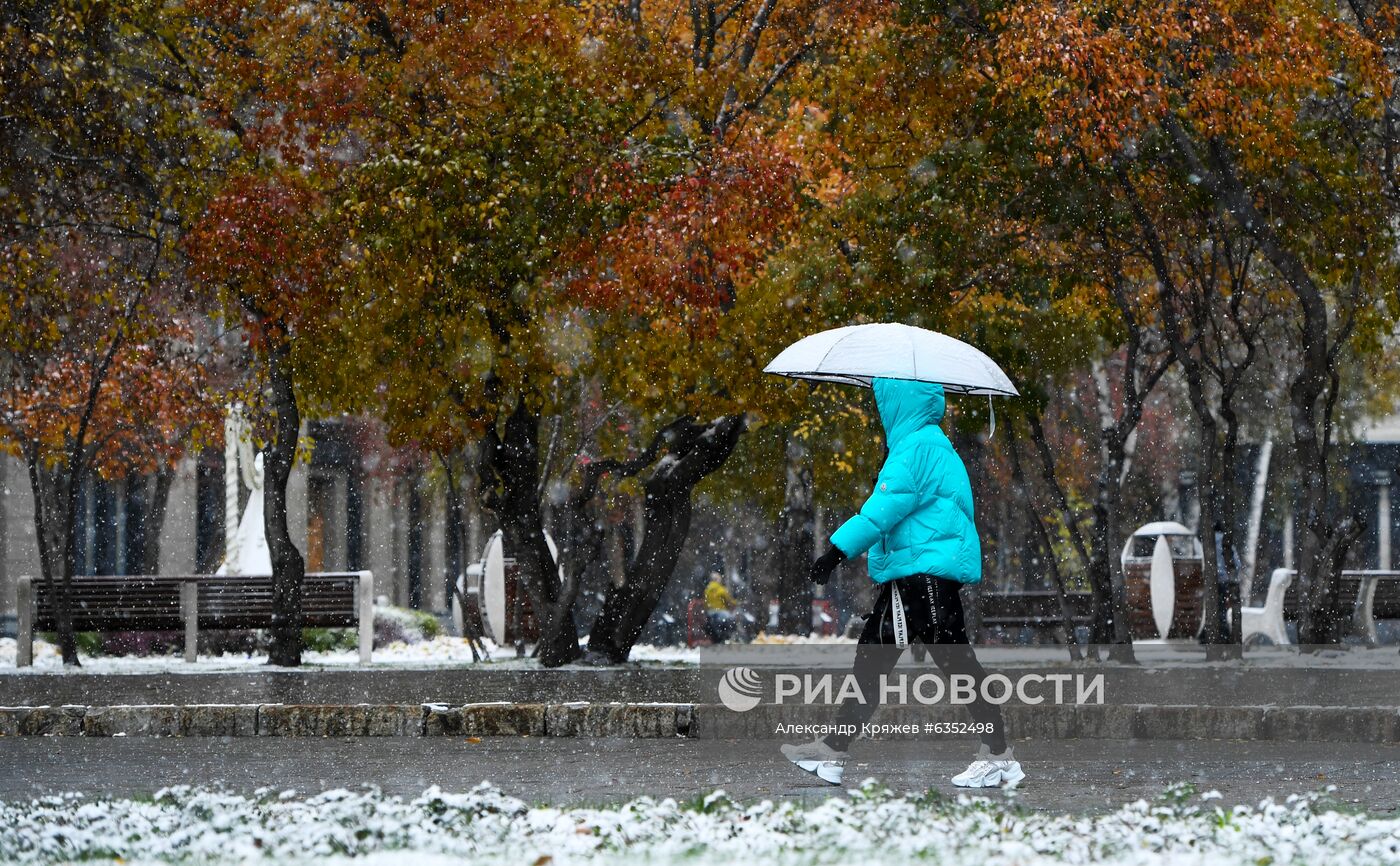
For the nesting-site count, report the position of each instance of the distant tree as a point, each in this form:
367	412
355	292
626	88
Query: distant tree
288	83
103	151
1277	114
525	190
259	245
734	158
447	151
952	222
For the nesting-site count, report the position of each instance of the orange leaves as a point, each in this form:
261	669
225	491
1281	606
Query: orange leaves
317	84
147	404
91	337
1103	74
697	237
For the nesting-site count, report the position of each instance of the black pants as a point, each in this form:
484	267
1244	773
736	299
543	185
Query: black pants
934	613
719	626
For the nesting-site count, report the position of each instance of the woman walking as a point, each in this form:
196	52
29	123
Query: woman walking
919	529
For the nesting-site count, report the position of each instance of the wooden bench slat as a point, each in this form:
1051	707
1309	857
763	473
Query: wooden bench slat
1034	609
158	603
1386	599
106	602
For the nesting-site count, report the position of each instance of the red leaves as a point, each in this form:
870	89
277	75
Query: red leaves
693	240
259	239
91	339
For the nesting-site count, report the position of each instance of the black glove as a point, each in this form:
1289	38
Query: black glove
823	565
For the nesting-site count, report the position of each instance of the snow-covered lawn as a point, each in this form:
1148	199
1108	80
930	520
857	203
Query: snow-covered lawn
450	652
441	651
183	825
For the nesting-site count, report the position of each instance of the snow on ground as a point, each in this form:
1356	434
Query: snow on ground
184	825
451	652
441	651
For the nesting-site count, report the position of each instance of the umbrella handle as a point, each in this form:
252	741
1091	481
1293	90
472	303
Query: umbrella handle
992	408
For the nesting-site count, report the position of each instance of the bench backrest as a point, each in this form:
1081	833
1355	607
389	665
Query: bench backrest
114	604
1293	604
1032	608
327	601
152	602
1385	603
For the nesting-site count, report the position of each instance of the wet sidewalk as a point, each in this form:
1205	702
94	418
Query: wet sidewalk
1355	679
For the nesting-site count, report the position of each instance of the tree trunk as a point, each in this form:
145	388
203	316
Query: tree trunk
458	490
1214	459
1105	570
1041	539
288	567
627	607
1110	622
1208	470
1256	517
510	481
1320	618
456	531
471	503
797	543
1117	438
1226	552
1316	556
693	452
56	488
1208	481
55	513
582	534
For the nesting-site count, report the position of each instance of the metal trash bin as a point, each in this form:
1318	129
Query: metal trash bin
1187	559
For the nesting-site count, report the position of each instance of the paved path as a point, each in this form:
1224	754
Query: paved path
1081	776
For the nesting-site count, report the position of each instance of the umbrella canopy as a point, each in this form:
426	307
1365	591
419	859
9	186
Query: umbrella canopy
856	354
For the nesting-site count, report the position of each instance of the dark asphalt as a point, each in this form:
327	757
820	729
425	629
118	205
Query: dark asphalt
1075	776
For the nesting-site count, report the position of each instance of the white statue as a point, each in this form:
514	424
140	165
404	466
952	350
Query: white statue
245	543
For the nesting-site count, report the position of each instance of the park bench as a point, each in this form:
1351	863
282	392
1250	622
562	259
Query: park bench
1369	594
193	602
1034	609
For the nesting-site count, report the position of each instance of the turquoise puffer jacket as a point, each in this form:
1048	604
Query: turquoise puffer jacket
919	518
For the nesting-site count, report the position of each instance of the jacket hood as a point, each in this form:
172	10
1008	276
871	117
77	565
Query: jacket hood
906	405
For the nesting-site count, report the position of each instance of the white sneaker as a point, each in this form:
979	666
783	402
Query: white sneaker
819	759
991	771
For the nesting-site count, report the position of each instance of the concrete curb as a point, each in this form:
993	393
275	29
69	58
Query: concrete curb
704	721
351	720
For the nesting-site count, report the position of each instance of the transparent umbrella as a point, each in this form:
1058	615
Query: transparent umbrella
855	354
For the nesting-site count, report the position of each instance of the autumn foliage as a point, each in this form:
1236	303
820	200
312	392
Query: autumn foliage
258	244
694	239
1105	74
478	221
88	352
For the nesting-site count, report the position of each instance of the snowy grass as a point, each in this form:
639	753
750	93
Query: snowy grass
186	825
439	652
444	651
